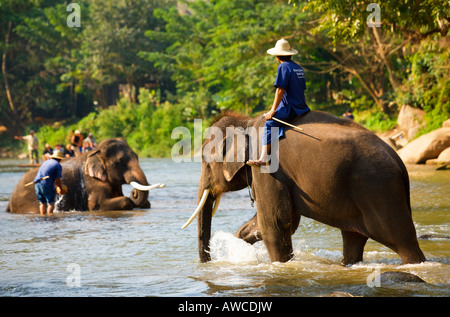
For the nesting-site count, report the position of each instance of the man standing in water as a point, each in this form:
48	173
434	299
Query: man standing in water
289	100
49	176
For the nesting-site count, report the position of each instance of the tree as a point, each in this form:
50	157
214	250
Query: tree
33	39
359	49
111	41
53	70
220	47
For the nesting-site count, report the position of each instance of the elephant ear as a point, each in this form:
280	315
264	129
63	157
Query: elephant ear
235	151
94	166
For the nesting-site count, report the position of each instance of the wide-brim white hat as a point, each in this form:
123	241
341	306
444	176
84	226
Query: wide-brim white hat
282	48
58	155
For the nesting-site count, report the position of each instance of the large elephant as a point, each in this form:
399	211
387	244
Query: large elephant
94	180
334	171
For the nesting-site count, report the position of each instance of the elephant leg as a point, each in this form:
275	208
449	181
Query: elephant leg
387	219
279	245
275	222
249	232
295	221
353	247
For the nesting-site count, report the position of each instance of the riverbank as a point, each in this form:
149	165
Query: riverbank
432	148
148	128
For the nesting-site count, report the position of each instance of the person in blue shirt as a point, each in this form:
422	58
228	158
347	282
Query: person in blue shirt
49	176
348	114
289	100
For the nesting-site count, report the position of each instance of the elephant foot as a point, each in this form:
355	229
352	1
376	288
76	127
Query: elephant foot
280	249
411	255
353	247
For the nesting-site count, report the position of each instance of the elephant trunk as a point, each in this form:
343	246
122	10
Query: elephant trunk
138	197
204	227
206	208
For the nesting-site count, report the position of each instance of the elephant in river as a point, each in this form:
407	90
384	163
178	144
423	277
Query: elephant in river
94	180
334	171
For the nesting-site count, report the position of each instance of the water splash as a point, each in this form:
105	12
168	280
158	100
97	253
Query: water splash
226	247
76	198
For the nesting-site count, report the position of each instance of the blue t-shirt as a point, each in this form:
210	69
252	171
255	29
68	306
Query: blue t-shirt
291	77
50	168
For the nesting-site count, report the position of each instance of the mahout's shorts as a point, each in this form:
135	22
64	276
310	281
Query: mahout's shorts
45	194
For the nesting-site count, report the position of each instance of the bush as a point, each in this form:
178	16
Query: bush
376	120
146	126
428	85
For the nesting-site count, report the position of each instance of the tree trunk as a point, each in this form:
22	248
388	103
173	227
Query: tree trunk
386	59
4	73
13	121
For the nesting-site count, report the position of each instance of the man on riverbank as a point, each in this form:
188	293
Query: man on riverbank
77	142
48	182
33	144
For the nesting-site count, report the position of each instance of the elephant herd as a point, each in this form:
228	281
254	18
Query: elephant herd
334	171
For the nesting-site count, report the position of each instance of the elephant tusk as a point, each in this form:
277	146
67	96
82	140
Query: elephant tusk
199	207
145	187
216	205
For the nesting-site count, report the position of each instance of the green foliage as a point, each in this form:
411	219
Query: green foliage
56	71
146	126
372	54
28	40
375	121
219	51
53	135
209	58
347	20
428	83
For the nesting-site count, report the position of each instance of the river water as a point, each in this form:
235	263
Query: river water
146	253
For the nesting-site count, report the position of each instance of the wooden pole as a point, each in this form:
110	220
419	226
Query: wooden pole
288	124
31	183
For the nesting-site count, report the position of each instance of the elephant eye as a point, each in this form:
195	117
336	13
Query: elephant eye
121	163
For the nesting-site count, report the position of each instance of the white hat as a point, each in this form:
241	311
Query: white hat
282	48
58	155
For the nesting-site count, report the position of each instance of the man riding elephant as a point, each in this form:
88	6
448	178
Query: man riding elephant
333	171
289	100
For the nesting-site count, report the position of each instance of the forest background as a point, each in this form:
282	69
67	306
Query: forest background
139	68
